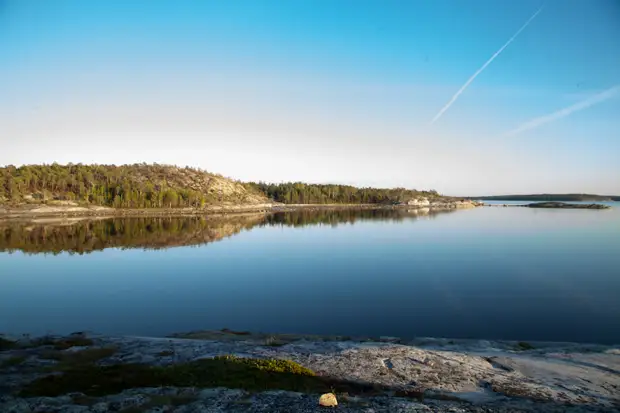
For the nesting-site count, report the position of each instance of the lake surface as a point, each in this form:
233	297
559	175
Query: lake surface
493	273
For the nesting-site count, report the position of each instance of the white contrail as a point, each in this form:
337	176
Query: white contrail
584	104
484	66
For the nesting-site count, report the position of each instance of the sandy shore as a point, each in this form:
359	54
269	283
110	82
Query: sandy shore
380	374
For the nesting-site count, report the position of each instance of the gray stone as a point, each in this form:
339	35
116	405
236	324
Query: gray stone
15	406
101	407
124	402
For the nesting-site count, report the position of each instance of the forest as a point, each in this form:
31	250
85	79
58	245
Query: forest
126	186
165	186
301	193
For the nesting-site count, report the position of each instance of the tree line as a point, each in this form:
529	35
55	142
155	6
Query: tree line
126	186
302	193
163	186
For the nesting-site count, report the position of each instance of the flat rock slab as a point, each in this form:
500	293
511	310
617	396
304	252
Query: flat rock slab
426	375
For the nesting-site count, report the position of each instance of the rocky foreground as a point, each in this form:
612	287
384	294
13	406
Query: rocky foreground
240	372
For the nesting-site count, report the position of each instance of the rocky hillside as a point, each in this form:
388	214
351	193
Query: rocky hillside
125	186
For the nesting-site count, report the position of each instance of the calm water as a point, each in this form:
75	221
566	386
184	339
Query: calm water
505	273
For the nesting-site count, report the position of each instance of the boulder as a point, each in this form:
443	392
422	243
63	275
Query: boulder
328	400
418	202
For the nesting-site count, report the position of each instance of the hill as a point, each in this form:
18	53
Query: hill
125	186
549	197
166	186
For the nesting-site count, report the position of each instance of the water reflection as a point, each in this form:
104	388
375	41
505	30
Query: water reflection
80	236
346	216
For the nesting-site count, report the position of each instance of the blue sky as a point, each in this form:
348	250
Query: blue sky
320	91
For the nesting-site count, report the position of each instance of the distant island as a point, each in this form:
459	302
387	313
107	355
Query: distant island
549	197
563	205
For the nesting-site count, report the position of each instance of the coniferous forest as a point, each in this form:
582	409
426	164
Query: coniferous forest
301	193
165	186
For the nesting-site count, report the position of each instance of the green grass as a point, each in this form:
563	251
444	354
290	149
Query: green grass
226	371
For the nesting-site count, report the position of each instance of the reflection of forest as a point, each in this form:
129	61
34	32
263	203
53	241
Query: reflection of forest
346	216
149	233
162	232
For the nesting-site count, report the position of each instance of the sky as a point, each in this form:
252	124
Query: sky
467	97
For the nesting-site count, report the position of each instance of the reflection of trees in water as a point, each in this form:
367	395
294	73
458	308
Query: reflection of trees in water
162	232
347	216
149	233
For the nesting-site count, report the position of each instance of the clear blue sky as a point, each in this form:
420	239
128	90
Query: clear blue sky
320	90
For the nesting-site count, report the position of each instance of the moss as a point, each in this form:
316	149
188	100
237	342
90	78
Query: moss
227	371
13	361
524	345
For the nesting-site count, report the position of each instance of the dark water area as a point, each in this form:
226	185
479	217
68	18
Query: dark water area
492	273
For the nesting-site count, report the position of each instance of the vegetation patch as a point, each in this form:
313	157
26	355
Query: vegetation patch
236	333
524	345
226	371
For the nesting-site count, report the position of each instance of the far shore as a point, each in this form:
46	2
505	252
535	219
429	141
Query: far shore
553	205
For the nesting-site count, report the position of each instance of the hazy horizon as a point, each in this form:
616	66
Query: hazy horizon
467	98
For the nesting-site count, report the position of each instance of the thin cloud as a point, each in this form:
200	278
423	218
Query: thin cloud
484	66
562	113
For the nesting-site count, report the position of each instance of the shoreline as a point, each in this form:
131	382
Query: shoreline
384	374
46	211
